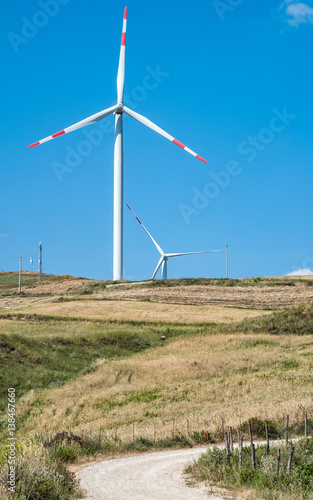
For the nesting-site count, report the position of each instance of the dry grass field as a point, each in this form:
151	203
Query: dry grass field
131	310
209	379
211	375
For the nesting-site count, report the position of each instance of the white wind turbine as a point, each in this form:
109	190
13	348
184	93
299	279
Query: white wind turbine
165	256
118	111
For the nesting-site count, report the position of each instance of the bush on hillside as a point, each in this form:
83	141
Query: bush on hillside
258	428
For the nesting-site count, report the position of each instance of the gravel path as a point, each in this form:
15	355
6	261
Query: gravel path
155	476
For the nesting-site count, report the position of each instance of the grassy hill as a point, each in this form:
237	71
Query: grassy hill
128	367
9	281
60	343
83	374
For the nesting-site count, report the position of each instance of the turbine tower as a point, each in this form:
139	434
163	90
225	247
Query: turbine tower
118	111
165	256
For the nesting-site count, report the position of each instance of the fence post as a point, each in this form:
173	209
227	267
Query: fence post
306	427
231	442
277	465
227	445
250	432
267	439
290	459
252	446
253	456
240	446
286	430
100	429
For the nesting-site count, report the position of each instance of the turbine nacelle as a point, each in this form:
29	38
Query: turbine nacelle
120	109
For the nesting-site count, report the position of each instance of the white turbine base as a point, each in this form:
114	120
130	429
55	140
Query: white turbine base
118	200
164	269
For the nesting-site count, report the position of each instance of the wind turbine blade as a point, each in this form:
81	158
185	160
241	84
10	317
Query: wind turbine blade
157	267
157	129
88	121
121	66
192	253
155	243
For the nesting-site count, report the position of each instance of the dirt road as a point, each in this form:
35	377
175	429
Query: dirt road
156	476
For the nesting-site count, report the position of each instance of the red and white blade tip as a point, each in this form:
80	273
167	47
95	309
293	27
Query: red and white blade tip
187	149
133	214
124	28
53	136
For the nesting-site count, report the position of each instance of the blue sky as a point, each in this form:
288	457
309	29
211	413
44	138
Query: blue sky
230	79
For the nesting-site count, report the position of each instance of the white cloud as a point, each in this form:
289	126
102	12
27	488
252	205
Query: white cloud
297	13
301	272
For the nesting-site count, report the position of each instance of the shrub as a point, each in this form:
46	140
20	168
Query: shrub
172	442
305	475
65	454
202	437
39	478
139	444
66	446
258	428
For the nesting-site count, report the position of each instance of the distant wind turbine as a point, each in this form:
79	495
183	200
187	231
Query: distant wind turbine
118	111
165	256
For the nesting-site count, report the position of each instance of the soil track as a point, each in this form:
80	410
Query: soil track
260	297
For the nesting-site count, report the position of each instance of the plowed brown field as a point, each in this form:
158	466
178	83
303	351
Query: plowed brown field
236	296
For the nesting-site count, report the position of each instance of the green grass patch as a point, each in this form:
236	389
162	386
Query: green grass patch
260	281
40	354
268	480
297	320
146	396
